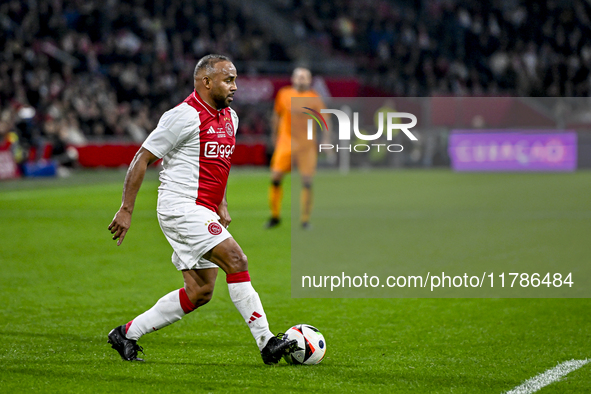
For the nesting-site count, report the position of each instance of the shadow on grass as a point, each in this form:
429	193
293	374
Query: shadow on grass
230	377
69	336
135	377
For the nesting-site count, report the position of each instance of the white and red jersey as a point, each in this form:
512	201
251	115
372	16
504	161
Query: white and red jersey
196	142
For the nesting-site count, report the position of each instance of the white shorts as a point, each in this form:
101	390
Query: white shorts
192	230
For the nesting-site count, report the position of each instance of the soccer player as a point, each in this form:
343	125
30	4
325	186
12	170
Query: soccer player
289	134
196	140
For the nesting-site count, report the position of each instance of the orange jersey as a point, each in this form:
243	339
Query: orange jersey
293	122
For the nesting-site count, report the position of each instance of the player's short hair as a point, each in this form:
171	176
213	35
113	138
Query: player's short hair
208	63
303	68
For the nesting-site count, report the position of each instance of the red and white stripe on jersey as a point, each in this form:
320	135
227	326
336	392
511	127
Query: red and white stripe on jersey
218	140
196	143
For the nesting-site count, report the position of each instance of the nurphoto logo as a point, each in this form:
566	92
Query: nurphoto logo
344	124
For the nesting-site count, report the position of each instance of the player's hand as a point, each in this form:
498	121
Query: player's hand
120	225
224	215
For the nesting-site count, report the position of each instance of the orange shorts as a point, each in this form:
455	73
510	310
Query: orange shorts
305	159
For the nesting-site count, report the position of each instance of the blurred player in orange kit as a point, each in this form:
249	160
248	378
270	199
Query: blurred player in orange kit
289	134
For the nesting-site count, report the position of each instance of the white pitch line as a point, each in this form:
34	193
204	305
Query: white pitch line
544	379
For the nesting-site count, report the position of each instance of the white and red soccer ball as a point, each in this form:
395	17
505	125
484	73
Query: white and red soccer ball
311	345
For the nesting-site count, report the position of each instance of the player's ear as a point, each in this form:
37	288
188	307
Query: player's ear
206	81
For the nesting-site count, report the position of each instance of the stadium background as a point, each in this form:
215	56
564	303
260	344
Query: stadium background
96	76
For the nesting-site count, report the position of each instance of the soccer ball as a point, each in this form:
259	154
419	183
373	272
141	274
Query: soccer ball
311	343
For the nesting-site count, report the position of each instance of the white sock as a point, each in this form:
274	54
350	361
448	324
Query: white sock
169	309
248	303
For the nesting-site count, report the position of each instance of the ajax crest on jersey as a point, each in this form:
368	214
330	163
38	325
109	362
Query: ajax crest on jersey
311	345
229	129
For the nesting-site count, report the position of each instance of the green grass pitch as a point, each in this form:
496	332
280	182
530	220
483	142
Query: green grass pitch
64	284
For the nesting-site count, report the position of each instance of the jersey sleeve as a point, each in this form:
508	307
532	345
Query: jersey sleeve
279	101
174	127
234	116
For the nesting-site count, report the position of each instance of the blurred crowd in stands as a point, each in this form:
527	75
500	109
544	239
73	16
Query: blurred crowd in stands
73	71
456	47
78	70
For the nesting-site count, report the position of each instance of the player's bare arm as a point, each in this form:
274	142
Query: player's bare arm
133	181
223	213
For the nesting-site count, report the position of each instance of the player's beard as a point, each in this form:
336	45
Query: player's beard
221	100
